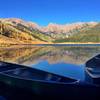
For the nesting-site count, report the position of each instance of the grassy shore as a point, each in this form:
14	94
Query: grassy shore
36	43
79	43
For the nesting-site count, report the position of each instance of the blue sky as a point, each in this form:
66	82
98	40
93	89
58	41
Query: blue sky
51	11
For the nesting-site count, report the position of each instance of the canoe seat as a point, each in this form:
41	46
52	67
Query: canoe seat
53	78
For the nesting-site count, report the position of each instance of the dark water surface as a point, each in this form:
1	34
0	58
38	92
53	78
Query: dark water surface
67	60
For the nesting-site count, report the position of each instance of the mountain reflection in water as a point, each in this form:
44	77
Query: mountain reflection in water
52	54
62	60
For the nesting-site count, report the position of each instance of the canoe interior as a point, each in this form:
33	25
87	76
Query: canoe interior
26	73
93	65
93	69
7	66
94	62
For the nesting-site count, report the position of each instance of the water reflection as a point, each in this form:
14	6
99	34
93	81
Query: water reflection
68	70
52	54
62	60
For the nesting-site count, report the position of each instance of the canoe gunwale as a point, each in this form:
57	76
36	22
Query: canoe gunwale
42	81
35	80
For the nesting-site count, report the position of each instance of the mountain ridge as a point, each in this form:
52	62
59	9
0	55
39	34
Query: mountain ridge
26	32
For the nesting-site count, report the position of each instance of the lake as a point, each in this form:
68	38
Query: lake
68	61
63	60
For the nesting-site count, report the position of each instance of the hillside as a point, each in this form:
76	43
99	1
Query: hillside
17	31
84	35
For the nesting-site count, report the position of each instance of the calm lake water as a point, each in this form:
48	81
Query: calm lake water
68	61
63	60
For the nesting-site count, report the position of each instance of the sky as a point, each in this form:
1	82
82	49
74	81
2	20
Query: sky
44	12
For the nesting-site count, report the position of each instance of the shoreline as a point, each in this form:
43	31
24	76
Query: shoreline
77	43
52	43
34	44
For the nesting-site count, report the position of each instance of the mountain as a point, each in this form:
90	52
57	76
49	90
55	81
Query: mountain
21	32
64	31
89	34
67	27
18	31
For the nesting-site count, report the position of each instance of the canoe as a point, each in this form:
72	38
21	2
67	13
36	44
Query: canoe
41	82
93	69
94	63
